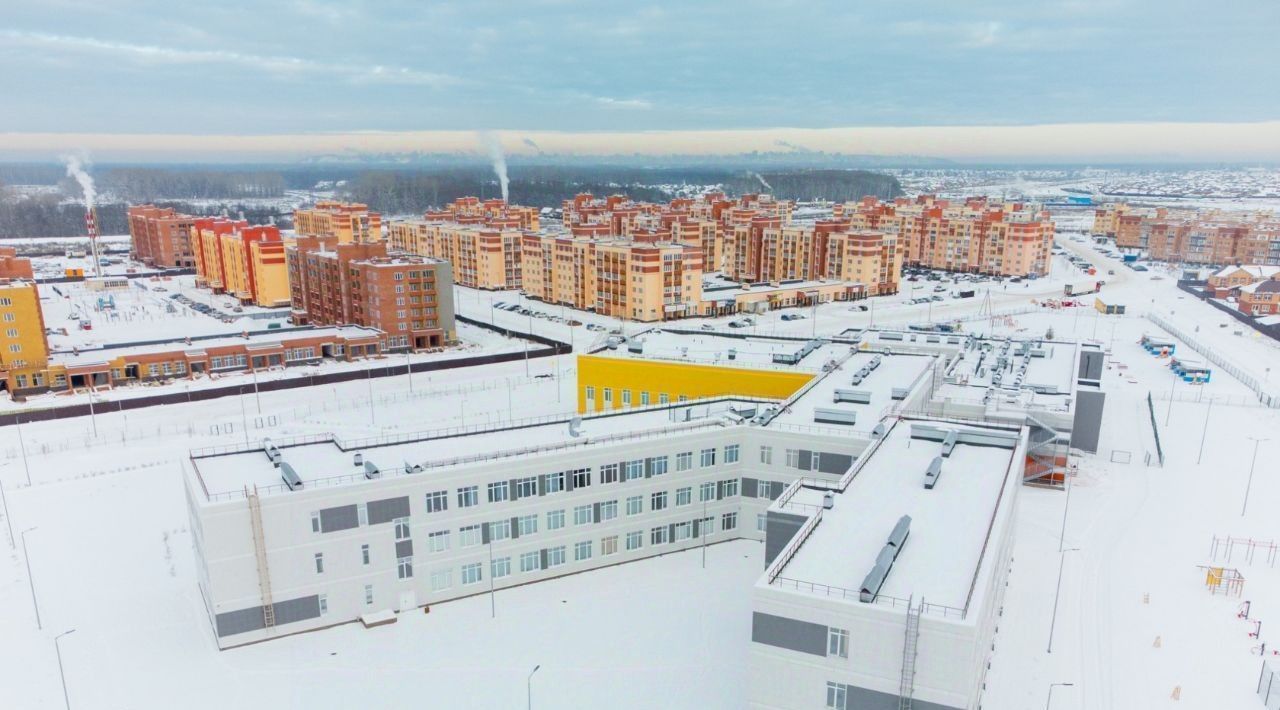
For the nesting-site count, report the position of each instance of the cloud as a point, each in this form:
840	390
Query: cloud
275	65
610	102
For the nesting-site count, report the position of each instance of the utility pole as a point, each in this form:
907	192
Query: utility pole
528	687
61	674
1204	433
30	580
1062	556
1256	441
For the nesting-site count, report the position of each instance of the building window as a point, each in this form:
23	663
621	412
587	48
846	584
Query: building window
837	642
766	454
609	510
441	580
530	562
324	604
684	531
837	696
582	478
315	522
582	514
635	505
404	567
609	545
472	573
554	482
364	554
730	454
658	535
793	458
555	519
500	568
609	473
438	541
526	487
761	522
402	529
707	491
500	530
730	487
527	524
626	398
684	461
470	536
644	399
657	465
582	551
437	501
591	395
497	492
658	501
635	469
608	396
468	497
684	496
319	563
555	556
368	595
635	539
708	457
729	521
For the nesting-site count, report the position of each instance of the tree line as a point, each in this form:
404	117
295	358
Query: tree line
52	216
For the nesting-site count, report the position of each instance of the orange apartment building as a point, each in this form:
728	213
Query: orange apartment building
408	297
344	221
160	237
765	251
485	252
243	261
648	281
1229	278
1208	237
13	266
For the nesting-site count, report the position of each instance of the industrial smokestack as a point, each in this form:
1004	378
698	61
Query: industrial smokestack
499	159
760	177
75	169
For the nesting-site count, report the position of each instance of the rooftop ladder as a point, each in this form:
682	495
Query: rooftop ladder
906	687
260	551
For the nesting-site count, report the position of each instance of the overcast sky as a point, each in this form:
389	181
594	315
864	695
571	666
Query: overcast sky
246	68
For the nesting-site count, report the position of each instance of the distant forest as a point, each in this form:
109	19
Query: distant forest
391	191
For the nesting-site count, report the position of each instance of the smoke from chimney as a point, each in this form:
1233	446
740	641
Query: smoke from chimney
529	142
75	169
497	157
760	177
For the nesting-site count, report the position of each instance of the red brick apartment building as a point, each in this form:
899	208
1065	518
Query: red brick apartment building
160	237
408	297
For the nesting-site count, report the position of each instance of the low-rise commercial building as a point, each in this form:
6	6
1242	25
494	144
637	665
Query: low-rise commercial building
13	266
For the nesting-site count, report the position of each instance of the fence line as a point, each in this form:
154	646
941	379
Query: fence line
1245	377
1155	430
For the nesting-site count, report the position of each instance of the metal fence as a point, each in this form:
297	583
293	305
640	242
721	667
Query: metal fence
1155	430
1245	377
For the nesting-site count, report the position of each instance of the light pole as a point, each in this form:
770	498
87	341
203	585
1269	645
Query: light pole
23	445
705	532
493	605
1169	412
1062	556
1066	504
58	649
408	368
1256	441
528	687
30	580
1205	433
244	417
1051	687
256	400
372	417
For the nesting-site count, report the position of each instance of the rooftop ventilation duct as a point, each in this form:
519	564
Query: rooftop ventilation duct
879	431
290	477
371	471
934	472
843	417
828	500
359	459
575	426
949	443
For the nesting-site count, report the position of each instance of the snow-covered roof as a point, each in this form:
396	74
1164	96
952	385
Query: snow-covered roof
1268	286
1257	271
949	528
874	391
715	349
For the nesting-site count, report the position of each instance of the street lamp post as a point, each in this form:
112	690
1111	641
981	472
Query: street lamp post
1051	687
528	687
1062	556
61	674
30	580
1256	441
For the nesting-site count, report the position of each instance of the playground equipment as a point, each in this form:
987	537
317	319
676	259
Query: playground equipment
1224	547
1223	580
1192	371
1159	347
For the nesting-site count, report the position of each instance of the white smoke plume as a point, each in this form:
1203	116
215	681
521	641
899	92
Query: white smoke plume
75	169
760	177
494	146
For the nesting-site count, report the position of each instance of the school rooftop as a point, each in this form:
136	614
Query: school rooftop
737	350
325	461
946	552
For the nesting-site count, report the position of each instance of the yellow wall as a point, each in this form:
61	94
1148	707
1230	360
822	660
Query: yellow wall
676	379
272	279
20	314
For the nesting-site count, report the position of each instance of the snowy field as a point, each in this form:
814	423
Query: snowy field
110	553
